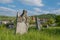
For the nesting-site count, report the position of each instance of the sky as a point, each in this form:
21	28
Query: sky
33	7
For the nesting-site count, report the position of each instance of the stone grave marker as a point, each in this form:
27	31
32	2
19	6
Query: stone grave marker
38	25
22	24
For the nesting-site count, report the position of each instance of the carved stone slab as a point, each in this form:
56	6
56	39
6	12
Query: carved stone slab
22	24
21	28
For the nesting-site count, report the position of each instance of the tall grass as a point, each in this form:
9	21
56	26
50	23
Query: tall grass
32	34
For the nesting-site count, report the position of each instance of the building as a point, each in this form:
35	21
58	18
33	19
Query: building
5	21
43	20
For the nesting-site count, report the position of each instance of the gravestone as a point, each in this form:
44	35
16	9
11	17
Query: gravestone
22	24
38	25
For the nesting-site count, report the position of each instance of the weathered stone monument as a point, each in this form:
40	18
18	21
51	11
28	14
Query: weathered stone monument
22	23
38	25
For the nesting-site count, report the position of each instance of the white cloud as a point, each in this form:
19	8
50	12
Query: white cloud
41	11
31	12
37	9
7	11
57	11
12	6
45	12
58	3
33	2
6	1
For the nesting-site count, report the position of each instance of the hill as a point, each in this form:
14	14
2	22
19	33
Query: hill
6	18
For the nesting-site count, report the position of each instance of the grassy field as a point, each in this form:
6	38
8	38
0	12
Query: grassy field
33	34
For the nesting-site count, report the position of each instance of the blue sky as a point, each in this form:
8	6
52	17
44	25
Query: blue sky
33	7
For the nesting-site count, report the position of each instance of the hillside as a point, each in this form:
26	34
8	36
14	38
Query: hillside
6	18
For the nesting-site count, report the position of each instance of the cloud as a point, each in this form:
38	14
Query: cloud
57	11
58	3
6	1
7	11
12	6
33	2
32	12
45	12
37	9
41	11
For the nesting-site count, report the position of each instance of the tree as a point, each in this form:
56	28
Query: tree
50	18
58	20
51	21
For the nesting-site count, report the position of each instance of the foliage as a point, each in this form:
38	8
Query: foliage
58	20
32	22
47	16
50	21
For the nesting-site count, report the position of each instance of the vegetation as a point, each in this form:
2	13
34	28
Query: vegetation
58	20
47	16
52	19
6	18
51	33
33	34
48	19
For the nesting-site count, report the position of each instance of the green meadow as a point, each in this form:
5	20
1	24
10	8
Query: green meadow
51	33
